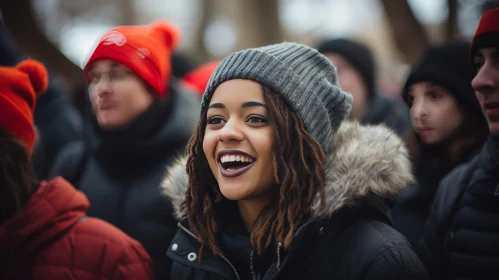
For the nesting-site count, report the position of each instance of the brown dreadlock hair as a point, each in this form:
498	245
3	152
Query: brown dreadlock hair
298	171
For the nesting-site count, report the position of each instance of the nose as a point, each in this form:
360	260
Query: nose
484	81
418	110
231	131
101	88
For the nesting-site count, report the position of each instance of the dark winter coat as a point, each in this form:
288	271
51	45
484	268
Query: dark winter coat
350	238
57	124
51	238
412	205
461	237
121	173
392	113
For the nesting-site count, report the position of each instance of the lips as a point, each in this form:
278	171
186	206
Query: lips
234	163
423	131
491	108
106	106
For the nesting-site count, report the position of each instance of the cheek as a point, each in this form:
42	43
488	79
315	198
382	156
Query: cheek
449	119
133	99
209	145
264	147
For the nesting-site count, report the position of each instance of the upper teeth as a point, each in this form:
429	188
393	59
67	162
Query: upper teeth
232	158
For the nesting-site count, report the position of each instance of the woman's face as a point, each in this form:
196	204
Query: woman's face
238	141
435	113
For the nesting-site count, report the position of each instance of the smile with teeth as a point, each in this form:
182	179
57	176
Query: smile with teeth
235	158
235	164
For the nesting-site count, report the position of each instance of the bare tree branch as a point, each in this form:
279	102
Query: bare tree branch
451	31
20	20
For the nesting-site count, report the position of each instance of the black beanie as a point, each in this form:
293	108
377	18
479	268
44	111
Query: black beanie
446	65
357	54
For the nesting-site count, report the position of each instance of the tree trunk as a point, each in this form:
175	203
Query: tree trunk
451	31
408	32
258	23
127	12
199	51
20	20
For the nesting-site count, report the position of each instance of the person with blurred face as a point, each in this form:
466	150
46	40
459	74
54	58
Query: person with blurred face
44	230
277	184
357	74
140	120
448	124
461	236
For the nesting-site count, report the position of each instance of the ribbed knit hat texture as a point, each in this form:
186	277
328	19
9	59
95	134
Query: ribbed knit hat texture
305	79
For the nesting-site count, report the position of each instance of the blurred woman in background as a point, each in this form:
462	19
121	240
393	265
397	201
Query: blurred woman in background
449	128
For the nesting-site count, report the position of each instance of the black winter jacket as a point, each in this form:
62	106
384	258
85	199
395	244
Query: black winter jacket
350	238
461	237
121	173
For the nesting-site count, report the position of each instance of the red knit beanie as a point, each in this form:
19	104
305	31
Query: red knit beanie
19	88
487	33
198	78
145	49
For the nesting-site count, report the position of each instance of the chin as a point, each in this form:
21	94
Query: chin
494	129
234	191
110	124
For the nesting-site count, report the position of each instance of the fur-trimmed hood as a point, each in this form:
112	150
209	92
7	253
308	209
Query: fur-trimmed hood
363	160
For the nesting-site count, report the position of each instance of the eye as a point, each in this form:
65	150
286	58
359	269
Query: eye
434	95
215	120
478	65
256	119
118	74
93	79
410	100
478	62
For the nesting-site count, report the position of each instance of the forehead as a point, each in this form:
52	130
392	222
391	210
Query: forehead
238	91
337	59
103	65
419	86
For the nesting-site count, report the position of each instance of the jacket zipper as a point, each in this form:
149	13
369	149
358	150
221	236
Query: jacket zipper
121	209
222	256
278	263
265	276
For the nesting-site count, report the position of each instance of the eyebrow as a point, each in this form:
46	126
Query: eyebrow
253	104
111	67
217	106
244	105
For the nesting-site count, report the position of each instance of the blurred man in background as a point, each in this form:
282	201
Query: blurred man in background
357	75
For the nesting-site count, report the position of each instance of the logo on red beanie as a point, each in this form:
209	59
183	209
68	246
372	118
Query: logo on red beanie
143	52
113	37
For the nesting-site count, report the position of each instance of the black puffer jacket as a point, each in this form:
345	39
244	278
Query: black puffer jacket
350	238
413	203
121	172
461	237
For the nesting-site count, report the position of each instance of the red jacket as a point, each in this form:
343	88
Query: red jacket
52	239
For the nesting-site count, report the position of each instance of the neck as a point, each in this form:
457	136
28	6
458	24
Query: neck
251	209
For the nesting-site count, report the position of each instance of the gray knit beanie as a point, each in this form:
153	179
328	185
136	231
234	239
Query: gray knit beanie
305	79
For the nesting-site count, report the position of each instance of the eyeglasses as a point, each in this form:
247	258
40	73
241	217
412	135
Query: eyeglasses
112	76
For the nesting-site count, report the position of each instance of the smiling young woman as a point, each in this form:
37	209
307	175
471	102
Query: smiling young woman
272	187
